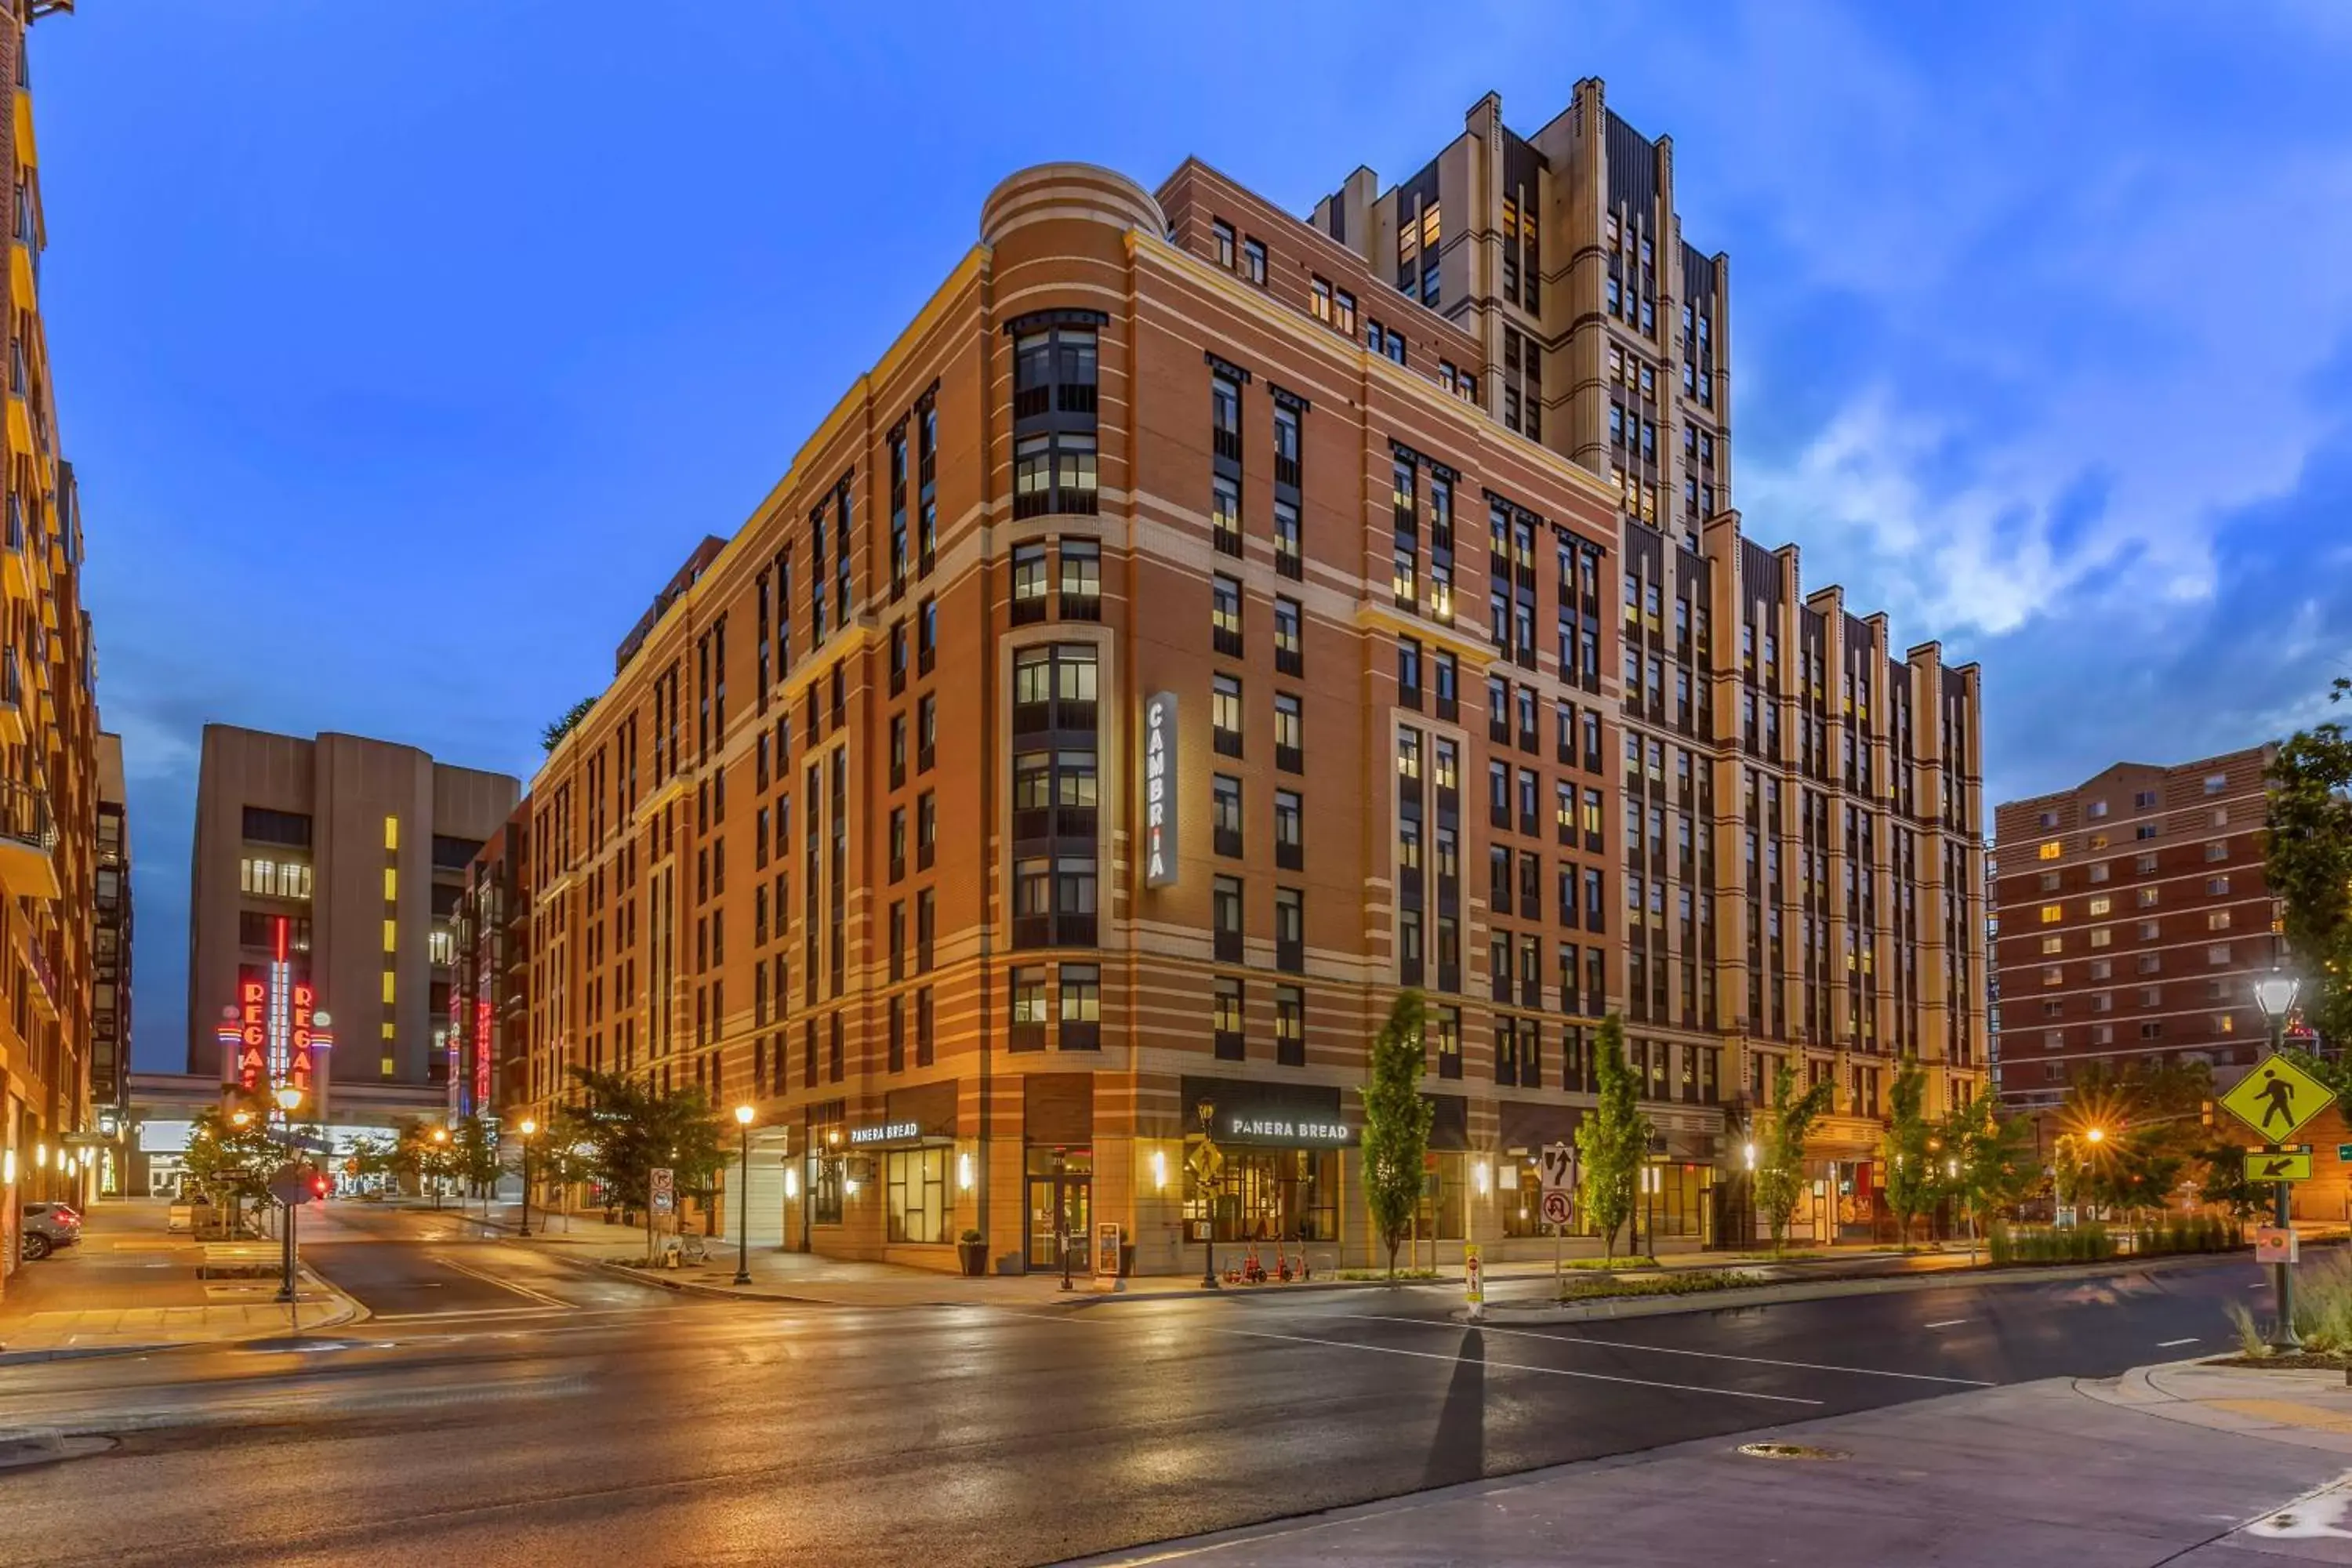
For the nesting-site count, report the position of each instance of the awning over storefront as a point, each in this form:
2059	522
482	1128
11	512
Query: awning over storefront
1273	1115
1528	1127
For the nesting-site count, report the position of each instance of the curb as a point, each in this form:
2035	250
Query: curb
352	1311
1792	1290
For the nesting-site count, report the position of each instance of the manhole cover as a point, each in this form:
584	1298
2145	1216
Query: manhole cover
1789	1451
49	1449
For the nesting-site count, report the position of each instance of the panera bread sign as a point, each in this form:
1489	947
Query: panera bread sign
1160	789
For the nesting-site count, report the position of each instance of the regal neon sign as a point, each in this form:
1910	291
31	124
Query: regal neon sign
273	1032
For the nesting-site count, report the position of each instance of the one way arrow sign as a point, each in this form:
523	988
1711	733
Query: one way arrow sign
2278	1164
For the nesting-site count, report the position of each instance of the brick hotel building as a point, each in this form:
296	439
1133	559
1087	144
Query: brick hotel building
2134	919
1177	500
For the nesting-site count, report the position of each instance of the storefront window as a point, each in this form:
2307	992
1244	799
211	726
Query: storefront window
1266	1194
1519	1189
1677	1200
917	1180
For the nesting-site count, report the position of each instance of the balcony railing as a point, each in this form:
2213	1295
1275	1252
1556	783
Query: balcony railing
28	841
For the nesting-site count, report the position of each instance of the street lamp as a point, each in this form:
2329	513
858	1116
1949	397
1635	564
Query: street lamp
743	1201
2095	1136
1207	1112
2275	994
288	1098
526	1129
440	1138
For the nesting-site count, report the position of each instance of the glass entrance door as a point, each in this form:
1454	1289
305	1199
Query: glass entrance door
1060	1205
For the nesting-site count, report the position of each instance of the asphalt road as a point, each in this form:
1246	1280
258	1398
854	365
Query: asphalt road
536	1414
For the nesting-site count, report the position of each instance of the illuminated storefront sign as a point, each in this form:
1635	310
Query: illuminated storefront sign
885	1133
1160	789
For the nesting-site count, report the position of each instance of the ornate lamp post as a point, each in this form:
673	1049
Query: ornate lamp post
1207	1112
288	1098
528	1128
743	1114
2275	994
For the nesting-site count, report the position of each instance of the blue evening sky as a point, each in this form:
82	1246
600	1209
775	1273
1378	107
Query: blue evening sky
403	350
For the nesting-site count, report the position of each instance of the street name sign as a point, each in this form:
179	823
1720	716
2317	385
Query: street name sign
2277	1097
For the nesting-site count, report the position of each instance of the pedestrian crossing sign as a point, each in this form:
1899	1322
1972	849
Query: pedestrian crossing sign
2277	1097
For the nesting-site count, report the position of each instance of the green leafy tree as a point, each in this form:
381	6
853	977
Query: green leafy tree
632	1131
372	1154
1613	1140
2307	862
424	1155
2223	1181
474	1154
1396	1122
231	1154
1913	1181
2149	1126
1989	1165
1780	1161
552	735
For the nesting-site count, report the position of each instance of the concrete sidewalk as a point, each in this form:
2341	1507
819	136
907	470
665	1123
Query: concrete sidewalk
2190	1466
809	1277
130	1286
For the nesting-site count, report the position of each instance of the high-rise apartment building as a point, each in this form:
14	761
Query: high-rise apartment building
109	1017
326	873
48	726
488	1016
2134	917
1072	751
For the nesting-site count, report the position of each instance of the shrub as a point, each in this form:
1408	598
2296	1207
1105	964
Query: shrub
1686	1283
2250	1333
2322	1303
2047	1243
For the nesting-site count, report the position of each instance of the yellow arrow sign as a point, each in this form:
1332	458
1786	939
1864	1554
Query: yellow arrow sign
2278	1164
2277	1097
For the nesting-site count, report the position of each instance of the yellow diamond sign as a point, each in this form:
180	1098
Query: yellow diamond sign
2277	1097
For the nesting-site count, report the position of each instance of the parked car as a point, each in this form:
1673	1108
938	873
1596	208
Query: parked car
47	1227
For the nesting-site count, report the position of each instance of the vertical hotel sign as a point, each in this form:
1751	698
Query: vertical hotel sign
1160	789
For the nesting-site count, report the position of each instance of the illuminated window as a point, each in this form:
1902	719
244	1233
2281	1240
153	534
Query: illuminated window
2050	913
2054	977
387	987
391	936
387	1068
2053	943
440	946
2050	850
2101	906
2226	1022
2218	920
2098	841
391	886
391	833
2102	938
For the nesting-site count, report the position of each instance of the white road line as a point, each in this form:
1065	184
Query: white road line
1513	1366
1670	1349
2168	1344
1947	1323
489	1279
471	1313
1096	1320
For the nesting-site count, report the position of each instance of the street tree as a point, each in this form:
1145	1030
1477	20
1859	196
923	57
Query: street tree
552	736
2307	863
2130	1138
474	1156
632	1131
1912	1178
424	1154
230	1156
1989	1167
1613	1140
1396	1122
1781	1162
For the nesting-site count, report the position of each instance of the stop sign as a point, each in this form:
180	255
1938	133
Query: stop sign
291	1184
